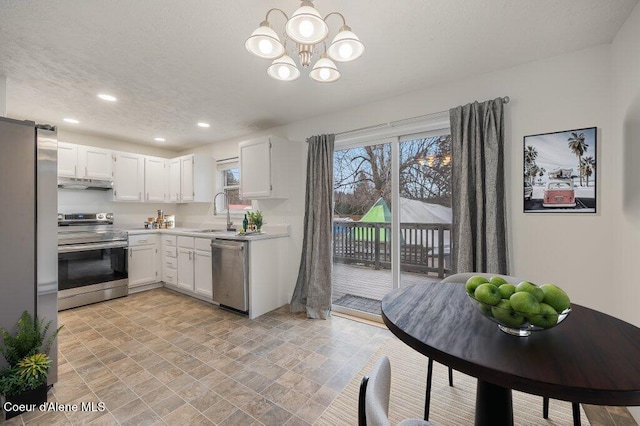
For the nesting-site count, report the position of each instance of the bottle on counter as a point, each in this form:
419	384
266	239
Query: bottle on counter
245	223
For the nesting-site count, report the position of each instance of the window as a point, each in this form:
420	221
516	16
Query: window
229	174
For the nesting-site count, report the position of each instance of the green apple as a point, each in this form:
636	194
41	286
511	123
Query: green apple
506	290
473	283
487	294
524	303
531	288
548	317
556	297
505	314
485	309
497	281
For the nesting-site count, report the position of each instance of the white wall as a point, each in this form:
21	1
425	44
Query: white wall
3	96
560	93
626	146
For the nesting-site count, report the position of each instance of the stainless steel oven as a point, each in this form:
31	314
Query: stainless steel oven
92	259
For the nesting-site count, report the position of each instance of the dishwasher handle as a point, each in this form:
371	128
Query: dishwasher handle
228	247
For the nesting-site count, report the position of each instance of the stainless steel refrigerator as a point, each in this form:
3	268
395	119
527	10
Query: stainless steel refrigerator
28	225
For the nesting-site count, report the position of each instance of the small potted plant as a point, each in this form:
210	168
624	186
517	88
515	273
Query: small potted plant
256	218
24	381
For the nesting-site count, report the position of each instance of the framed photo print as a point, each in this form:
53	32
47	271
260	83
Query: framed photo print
560	172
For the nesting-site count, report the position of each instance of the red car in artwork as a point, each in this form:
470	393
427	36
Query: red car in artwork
559	193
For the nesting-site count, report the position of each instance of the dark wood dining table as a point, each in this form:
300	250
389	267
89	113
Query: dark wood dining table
590	357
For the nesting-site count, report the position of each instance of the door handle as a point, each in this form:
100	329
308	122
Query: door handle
189	255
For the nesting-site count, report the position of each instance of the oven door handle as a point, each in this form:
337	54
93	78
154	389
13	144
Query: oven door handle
71	248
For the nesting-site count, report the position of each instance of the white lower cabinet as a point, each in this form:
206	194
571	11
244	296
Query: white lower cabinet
143	254
169	256
185	263
194	265
202	273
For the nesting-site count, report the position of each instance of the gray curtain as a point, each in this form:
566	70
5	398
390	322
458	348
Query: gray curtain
479	218
313	288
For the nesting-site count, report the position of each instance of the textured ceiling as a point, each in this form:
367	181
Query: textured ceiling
174	63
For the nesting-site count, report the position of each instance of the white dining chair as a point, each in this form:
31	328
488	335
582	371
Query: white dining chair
373	401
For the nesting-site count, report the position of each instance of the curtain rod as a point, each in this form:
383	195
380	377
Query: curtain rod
505	100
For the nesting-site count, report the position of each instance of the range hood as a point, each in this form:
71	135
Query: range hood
76	183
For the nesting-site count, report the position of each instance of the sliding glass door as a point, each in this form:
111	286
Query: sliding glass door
395	186
362	228
424	207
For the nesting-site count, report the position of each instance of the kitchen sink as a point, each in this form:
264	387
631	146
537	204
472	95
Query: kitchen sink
216	231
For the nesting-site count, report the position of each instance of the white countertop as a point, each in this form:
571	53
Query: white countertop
222	234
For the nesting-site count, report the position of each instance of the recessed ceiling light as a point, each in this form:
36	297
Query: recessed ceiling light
71	120
106	97
159	139
203	124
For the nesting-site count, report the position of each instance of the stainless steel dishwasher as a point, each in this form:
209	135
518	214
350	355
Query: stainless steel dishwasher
230	264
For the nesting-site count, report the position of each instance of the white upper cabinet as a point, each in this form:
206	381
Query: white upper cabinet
191	179
141	178
67	159
95	163
267	166
174	180
155	181
79	161
187	177
128	183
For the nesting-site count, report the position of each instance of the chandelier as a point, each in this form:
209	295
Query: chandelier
306	29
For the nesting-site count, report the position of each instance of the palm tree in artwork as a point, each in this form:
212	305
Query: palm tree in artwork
530	155
588	167
578	145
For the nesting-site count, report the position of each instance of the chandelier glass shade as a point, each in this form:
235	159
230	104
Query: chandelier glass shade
308	32
283	68
264	42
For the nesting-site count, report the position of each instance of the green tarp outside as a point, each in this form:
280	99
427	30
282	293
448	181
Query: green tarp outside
378	213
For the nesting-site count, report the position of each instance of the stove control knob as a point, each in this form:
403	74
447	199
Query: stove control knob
100	216
110	216
60	216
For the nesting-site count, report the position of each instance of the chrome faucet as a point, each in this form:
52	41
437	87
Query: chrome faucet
215	210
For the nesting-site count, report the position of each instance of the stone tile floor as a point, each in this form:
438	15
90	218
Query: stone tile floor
160	357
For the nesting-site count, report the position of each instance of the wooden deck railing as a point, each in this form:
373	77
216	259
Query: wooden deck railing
424	247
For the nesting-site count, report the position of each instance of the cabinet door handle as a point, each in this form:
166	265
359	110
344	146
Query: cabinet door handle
75	171
190	255
130	253
86	171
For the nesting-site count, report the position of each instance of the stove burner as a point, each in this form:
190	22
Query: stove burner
87	228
